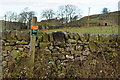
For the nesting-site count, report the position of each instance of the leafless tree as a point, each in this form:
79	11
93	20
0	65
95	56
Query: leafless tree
11	16
26	17
60	14
48	14
68	12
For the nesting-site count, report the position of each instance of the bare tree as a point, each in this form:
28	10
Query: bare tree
11	16
23	17
68	12
72	12
61	15
30	15
48	14
26	17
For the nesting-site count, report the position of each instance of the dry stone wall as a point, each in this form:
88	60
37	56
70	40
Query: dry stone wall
15	51
63	55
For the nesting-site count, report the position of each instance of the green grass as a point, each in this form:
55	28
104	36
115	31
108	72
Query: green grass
91	30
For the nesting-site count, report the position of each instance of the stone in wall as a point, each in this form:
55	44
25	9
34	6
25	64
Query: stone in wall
93	47
94	38
51	37
45	37
84	37
59	38
23	35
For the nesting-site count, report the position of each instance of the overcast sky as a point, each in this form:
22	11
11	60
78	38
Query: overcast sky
39	5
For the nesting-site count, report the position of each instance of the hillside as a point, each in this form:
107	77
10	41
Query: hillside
49	22
109	19
6	25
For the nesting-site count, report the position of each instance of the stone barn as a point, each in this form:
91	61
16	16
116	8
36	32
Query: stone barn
109	19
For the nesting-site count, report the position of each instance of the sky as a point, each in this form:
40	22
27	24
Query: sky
96	6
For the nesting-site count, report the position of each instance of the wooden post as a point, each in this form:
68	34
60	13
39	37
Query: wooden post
25	67
33	40
32	45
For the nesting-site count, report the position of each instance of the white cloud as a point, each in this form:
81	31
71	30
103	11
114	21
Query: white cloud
38	5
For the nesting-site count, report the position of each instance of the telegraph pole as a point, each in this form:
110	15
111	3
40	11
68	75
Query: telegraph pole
88	15
5	19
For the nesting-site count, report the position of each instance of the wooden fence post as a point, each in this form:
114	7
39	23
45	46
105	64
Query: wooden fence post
33	41
32	45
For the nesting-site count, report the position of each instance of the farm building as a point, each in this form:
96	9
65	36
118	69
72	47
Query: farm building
109	19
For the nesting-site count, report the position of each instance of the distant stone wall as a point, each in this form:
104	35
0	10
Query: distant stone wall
63	55
16	35
6	25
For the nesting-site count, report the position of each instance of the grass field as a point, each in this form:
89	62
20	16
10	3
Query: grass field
91	30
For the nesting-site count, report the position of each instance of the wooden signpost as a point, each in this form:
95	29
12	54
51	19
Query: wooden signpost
26	67
33	34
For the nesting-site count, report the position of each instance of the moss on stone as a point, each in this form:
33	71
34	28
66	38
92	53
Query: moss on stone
45	37
25	54
62	45
21	43
40	38
113	55
9	48
15	55
44	44
76	36
51	37
75	52
21	35
92	46
71	41
79	41
71	35
84	37
93	38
